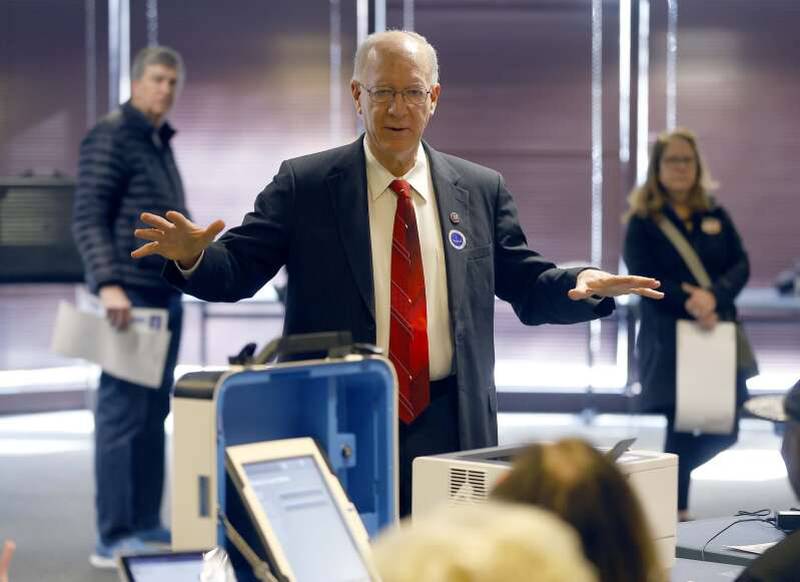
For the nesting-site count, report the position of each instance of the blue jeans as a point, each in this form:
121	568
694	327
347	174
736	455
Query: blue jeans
129	437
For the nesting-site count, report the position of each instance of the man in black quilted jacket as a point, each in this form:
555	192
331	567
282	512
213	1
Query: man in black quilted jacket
126	167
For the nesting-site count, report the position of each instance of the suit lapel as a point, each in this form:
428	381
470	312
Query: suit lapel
347	184
450	198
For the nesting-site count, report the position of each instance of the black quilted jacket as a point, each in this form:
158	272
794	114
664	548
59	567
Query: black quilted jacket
126	167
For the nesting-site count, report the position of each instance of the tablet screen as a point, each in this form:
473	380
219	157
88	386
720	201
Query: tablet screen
180	567
305	518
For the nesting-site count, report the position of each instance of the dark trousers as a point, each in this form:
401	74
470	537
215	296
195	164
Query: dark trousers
694	450
435	431
129	438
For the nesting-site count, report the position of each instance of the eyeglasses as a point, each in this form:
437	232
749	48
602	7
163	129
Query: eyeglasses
412	95
679	160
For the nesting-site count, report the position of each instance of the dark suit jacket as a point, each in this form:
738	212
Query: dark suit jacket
649	252
314	219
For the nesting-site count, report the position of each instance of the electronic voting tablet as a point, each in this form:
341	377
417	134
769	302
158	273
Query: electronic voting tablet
309	528
161	567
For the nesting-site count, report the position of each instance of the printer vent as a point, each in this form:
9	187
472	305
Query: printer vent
467	486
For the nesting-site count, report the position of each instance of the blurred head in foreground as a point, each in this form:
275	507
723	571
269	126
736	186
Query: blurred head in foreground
482	543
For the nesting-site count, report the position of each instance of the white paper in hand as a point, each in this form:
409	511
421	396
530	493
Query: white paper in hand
705	378
137	354
142	317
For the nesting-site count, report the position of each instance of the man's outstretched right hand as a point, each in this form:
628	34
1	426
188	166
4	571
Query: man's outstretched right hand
175	237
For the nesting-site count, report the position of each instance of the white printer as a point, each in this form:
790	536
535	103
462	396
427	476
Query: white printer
468	477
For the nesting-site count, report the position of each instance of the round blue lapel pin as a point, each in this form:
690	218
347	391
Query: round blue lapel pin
457	240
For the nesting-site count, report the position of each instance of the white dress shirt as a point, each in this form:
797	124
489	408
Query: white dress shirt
382	206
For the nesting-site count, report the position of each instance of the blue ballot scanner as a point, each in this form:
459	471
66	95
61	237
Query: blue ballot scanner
346	402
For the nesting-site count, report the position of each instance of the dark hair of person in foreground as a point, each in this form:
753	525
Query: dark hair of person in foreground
578	483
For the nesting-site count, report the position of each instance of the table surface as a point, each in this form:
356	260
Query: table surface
767	298
686	570
756	298
693	535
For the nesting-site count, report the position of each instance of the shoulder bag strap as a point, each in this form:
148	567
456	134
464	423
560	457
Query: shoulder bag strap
685	250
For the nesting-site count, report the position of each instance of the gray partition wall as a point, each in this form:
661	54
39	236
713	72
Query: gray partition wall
43	116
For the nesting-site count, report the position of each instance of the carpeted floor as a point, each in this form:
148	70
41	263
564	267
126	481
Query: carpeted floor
46	480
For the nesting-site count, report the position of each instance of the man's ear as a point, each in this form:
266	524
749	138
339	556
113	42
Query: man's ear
355	90
436	91
137	86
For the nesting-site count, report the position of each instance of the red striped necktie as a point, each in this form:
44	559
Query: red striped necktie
408	326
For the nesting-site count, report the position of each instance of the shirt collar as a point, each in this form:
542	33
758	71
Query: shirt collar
379	178
138	120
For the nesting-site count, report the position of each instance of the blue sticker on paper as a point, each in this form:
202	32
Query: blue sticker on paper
457	240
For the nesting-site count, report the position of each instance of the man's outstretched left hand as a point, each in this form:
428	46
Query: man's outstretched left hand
593	282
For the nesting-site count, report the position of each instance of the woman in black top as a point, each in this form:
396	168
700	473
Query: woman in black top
677	190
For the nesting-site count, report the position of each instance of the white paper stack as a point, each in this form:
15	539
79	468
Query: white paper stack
137	354
705	378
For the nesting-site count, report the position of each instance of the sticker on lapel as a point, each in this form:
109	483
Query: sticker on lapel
711	225
457	240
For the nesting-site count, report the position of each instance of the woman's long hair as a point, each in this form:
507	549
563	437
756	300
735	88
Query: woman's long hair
575	481
647	200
